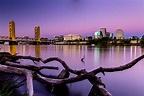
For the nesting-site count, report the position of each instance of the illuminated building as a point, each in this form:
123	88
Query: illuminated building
103	30
119	34
37	33
103	33
108	34
12	31
98	34
73	37
58	38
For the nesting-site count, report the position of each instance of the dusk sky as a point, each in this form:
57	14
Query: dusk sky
63	17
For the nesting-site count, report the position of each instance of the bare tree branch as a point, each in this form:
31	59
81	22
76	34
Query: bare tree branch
30	67
8	65
119	68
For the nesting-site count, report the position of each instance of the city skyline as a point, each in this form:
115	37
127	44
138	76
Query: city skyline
72	16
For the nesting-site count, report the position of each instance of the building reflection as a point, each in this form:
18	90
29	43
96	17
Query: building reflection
23	49
37	51
73	49
133	52
13	49
124	53
141	50
67	50
96	55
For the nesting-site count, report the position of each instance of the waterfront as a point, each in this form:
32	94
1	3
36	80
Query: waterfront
125	83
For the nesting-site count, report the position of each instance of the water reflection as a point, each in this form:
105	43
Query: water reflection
94	57
13	49
24	50
100	53
132	52
141	50
124	52
108	56
67	50
37	51
59	90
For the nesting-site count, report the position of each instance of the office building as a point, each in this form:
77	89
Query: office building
58	38
98	34
103	30
103	33
73	37
109	35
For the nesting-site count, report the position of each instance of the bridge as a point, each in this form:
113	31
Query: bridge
23	40
13	40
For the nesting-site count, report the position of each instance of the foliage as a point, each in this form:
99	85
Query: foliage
90	38
142	40
100	41
8	87
125	41
92	41
103	41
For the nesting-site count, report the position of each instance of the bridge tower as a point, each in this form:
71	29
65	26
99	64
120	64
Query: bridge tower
12	31
37	33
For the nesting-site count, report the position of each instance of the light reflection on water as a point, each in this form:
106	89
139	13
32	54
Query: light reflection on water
125	83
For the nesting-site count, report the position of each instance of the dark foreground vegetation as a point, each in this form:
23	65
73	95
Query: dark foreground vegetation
105	41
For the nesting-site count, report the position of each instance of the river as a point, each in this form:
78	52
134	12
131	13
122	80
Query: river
125	83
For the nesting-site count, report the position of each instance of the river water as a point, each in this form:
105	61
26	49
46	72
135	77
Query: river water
125	83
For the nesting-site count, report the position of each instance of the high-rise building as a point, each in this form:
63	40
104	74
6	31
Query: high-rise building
119	34
103	33
98	34
109	35
37	33
12	31
103	30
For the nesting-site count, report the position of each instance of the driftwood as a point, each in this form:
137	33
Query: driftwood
9	64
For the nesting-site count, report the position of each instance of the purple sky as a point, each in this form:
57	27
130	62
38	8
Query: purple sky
62	17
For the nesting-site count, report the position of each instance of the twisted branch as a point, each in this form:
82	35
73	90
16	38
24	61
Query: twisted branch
8	66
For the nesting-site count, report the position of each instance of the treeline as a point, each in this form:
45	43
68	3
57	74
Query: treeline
105	41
